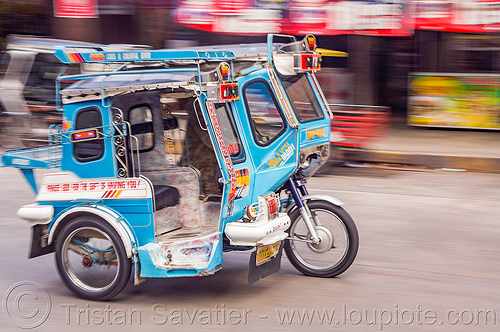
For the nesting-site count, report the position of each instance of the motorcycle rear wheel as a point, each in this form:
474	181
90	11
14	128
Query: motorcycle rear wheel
338	245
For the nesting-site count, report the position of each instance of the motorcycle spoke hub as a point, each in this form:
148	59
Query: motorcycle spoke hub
325	240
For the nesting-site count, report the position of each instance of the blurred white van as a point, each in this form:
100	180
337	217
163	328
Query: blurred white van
28	70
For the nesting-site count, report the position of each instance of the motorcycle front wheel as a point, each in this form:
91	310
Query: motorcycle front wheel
338	244
91	259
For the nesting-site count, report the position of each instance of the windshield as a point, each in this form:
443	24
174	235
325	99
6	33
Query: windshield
304	102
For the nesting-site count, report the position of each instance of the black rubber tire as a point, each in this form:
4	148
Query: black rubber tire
123	262
351	234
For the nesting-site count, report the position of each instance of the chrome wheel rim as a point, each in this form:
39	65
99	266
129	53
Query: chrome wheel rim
89	259
332	248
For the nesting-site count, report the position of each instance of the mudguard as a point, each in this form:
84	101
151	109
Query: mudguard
111	217
317	197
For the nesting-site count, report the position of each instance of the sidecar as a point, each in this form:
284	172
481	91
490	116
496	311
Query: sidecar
172	159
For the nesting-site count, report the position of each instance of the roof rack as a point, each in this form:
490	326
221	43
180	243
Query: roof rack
70	55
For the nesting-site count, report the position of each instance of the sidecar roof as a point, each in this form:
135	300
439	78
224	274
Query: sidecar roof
95	87
151	78
41	44
243	52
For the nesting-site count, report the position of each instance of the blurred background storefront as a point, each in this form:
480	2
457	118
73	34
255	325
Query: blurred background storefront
434	62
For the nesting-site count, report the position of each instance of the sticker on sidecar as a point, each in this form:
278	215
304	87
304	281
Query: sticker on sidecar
242	182
315	133
282	155
66	186
224	150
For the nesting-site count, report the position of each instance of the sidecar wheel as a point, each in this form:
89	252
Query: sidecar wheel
338	246
91	259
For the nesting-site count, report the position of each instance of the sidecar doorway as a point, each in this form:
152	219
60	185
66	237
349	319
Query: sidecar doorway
175	151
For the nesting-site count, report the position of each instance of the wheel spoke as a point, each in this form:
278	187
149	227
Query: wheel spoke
78	249
335	251
300	236
91	266
307	254
91	258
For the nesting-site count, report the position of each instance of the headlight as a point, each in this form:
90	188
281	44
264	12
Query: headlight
266	208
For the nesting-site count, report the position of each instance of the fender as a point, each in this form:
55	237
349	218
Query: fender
317	197
111	217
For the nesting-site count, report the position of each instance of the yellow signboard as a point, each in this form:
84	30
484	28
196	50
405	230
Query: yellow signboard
454	100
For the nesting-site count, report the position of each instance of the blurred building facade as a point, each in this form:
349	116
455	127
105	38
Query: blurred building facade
386	39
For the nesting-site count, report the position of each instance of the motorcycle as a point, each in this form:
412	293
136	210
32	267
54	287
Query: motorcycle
180	155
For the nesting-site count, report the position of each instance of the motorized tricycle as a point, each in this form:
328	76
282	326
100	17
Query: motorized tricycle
180	155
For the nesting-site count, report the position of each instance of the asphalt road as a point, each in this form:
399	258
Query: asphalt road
428	261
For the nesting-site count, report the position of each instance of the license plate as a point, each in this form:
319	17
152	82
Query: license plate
266	253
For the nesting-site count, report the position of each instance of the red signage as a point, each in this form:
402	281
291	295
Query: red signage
432	14
334	17
229	16
310	62
84	135
298	17
76	8
476	16
229	91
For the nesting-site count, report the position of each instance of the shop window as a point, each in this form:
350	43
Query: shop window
266	120
92	146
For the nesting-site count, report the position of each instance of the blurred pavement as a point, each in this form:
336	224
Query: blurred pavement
454	149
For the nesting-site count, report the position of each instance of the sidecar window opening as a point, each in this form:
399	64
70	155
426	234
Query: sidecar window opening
304	102
197	150
267	120
231	137
141	121
92	149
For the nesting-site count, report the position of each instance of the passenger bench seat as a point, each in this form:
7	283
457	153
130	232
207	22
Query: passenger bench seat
165	196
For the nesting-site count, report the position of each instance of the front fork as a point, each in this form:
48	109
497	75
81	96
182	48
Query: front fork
298	189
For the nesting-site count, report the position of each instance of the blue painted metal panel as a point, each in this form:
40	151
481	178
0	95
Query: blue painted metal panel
148	269
263	179
74	55
105	166
139	222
